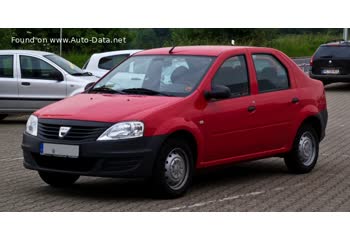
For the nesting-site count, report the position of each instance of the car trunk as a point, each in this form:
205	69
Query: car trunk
330	60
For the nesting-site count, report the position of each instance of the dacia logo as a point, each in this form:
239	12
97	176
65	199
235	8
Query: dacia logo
63	131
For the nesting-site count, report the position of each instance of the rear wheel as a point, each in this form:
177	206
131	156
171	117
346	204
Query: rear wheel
173	170
3	116
304	154
58	179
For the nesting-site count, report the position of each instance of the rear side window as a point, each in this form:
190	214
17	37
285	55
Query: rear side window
6	66
271	74
333	51
234	75
109	62
34	68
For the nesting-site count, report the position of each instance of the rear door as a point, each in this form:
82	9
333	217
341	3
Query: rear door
40	83
277	102
8	83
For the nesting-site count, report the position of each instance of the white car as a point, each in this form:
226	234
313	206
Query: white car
30	80
100	63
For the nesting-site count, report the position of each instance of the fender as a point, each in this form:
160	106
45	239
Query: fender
180	124
307	111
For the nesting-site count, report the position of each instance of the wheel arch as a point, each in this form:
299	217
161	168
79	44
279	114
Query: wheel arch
190	138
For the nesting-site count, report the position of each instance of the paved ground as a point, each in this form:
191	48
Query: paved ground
255	186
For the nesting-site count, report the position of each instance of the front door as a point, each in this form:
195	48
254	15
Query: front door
40	83
229	123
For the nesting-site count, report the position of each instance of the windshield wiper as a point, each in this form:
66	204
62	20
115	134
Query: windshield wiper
82	74
326	56
104	89
145	91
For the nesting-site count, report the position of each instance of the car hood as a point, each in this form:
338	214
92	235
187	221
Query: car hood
105	107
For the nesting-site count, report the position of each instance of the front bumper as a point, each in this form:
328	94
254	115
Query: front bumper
330	78
121	158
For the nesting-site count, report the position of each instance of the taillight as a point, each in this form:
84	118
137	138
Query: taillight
311	61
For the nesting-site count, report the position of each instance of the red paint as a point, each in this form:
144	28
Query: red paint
229	133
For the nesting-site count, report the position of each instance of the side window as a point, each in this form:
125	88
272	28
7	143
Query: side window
109	62
34	68
6	66
233	74
271	74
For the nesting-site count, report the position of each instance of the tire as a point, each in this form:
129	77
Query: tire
58	180
304	154
173	170
3	116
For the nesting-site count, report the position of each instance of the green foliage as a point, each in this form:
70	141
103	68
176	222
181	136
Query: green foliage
294	42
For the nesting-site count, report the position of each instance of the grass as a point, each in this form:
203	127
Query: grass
78	59
293	45
300	45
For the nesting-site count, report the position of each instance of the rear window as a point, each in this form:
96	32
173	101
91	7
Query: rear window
109	62
6	66
333	51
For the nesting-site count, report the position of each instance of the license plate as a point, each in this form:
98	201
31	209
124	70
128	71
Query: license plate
59	150
330	71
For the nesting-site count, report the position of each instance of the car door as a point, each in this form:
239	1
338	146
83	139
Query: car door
8	83
229	123
277	102
40	83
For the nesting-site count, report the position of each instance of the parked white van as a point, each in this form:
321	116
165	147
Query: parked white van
30	80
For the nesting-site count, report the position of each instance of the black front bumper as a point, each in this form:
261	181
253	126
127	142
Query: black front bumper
121	158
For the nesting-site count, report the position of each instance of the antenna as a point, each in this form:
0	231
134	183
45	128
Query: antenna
171	50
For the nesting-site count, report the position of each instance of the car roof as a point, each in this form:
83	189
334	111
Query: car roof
193	50
42	53
119	52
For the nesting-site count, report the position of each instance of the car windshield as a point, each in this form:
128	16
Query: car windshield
167	75
65	65
333	51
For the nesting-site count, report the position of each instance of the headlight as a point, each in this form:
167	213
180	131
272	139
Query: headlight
32	125
123	130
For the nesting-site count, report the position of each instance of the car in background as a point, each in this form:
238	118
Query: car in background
100	63
30	80
331	62
165	113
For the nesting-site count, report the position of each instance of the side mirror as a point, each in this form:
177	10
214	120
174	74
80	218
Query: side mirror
218	92
88	86
56	75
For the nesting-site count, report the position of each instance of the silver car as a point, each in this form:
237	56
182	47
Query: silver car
30	80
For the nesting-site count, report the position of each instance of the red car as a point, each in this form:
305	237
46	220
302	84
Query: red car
165	113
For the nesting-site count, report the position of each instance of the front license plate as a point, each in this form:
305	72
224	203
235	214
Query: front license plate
59	150
330	71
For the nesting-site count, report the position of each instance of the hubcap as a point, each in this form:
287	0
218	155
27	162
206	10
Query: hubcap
307	148
176	168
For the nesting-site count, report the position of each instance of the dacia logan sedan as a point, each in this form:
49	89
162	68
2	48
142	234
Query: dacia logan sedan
164	113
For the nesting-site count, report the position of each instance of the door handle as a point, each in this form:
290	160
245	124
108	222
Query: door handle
25	83
251	108
295	100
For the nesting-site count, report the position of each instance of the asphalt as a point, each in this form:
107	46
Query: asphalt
263	185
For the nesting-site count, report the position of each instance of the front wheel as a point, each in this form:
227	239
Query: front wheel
304	154
173	170
58	179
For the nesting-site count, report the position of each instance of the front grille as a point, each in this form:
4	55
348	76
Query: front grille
86	164
67	164
79	130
